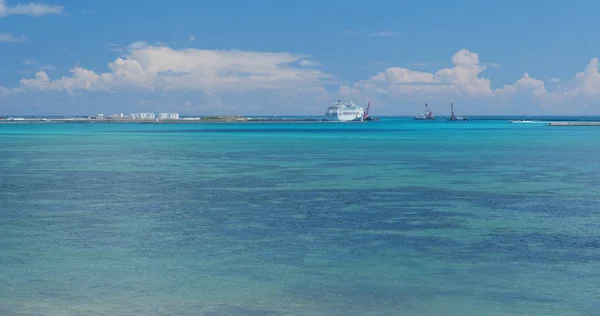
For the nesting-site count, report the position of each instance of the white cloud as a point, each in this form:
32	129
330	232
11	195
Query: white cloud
397	75
34	65
115	47
493	65
148	67
352	33
581	92
32	9
309	63
555	80
192	38
48	67
386	34
9	38
588	81
8	91
349	93
82	79
526	85
463	78
419	64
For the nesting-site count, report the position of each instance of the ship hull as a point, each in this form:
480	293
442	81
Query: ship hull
345	117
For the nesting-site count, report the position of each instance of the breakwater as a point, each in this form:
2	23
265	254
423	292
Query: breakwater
165	121
576	123
187	120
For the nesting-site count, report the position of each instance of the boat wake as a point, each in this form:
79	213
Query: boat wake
527	122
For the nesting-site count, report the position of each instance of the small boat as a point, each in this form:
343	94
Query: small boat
454	117
525	121
366	116
426	116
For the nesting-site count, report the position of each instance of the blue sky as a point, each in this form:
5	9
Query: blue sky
284	57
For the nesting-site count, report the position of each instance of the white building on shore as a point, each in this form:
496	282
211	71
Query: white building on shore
138	116
142	116
168	116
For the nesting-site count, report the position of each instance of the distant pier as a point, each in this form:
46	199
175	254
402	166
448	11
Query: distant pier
178	120
578	123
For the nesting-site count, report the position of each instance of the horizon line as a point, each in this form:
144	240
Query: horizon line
306	115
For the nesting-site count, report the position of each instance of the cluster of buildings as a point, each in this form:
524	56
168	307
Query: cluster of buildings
138	116
168	116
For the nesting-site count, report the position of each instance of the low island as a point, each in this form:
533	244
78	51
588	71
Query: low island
183	120
165	118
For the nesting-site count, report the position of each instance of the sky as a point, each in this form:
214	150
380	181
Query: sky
272	57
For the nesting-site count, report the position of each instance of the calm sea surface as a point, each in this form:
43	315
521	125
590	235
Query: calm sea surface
396	217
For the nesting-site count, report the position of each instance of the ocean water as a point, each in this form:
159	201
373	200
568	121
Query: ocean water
396	217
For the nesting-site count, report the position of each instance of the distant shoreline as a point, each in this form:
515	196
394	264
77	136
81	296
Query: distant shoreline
574	123
203	120
549	121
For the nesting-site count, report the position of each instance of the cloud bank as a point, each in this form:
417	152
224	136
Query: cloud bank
465	81
287	83
161	68
31	9
386	34
9	38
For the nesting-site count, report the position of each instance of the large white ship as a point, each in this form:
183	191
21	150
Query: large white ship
345	112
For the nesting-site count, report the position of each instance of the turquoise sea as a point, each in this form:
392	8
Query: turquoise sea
395	217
